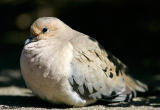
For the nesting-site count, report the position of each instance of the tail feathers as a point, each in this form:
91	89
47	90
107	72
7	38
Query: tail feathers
122	97
141	87
135	85
126	96
132	86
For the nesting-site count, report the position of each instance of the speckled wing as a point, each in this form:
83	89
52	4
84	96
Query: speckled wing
98	74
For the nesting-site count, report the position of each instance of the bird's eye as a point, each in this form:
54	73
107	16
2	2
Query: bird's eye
44	30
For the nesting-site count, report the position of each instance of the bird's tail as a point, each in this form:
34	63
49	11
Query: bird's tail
132	87
135	85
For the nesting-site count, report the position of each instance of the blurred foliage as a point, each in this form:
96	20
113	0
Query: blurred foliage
129	29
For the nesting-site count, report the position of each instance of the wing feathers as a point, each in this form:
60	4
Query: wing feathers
99	75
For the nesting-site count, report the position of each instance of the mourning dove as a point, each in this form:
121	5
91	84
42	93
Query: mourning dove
64	66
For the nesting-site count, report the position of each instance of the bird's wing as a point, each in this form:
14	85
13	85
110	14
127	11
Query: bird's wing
98	74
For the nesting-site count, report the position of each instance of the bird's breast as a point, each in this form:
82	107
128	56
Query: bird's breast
45	66
52	57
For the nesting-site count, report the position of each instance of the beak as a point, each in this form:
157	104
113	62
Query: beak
30	39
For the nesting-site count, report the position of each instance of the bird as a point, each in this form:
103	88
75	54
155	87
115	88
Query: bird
64	66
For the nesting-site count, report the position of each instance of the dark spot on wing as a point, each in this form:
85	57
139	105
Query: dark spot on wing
113	59
113	93
94	90
82	90
117	71
87	58
111	75
133	94
127	98
105	70
119	66
86	93
75	85
86	90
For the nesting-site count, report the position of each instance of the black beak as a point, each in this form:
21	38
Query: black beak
30	39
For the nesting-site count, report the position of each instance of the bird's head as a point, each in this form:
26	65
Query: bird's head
46	28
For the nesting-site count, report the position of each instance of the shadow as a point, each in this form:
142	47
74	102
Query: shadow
11	102
11	78
13	82
153	101
27	101
150	98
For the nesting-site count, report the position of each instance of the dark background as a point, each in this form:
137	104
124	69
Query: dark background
130	29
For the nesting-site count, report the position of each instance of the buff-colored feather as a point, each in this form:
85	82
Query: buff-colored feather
62	65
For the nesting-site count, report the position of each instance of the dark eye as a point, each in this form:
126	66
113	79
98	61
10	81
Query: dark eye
44	29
